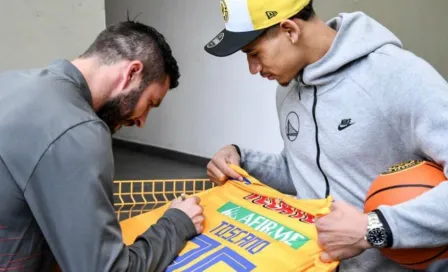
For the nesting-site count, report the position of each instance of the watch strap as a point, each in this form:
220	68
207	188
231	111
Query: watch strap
374	220
390	238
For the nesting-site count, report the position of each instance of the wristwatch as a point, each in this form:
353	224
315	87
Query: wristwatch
376	235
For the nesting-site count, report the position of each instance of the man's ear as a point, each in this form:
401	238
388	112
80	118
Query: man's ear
291	29
133	71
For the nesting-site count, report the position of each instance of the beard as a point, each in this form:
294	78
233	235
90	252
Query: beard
117	111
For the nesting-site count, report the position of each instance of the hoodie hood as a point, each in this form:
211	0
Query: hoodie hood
357	36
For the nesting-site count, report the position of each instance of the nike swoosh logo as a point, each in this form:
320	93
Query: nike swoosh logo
342	127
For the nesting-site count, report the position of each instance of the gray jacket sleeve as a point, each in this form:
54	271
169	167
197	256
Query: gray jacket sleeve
270	169
70	196
418	110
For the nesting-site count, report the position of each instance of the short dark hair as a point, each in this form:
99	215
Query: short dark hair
306	14
136	41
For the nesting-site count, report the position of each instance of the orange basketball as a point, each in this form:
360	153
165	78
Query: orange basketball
401	183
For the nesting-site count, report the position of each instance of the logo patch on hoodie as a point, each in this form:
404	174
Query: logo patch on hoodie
292	126
345	123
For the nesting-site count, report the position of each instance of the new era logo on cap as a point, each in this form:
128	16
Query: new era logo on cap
245	20
271	14
216	40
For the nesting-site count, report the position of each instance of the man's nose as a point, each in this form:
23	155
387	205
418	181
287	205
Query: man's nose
254	65
140	122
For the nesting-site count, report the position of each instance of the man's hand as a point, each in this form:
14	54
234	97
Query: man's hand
191	207
341	232
218	169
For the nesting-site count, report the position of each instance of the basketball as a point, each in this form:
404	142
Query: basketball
401	183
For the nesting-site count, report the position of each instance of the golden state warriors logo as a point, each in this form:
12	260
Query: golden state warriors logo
224	11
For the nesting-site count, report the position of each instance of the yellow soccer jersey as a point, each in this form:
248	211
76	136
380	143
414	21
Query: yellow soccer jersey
248	227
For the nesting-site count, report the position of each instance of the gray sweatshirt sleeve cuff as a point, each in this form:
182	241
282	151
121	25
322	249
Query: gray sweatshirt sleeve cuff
238	150
420	222
184	225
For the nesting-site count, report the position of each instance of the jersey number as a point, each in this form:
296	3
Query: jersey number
205	245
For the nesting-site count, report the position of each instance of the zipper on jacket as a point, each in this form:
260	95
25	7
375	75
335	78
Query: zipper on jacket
327	193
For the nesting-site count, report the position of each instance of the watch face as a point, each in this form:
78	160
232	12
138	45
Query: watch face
377	237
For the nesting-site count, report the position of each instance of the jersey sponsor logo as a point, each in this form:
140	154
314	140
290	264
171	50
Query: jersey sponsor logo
242	238
281	207
263	224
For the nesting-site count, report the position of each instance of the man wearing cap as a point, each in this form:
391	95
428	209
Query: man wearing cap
351	103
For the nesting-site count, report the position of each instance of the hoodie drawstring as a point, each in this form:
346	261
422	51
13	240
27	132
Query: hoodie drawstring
327	193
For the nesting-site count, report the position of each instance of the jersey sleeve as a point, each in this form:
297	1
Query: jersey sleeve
70	195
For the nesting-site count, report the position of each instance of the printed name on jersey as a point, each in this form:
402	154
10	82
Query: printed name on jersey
263	224
245	240
207	254
281	207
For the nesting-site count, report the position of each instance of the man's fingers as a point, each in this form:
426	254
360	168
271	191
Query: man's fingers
321	240
233	160
225	169
218	168
211	170
321	223
216	171
330	255
193	200
198	219
196	199
213	178
210	174
176	200
326	258
199	228
199	210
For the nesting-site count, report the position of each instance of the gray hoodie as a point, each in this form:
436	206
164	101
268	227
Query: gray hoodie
366	105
